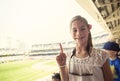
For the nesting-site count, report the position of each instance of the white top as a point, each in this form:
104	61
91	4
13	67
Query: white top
90	65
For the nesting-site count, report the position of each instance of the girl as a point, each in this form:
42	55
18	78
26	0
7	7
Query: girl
85	62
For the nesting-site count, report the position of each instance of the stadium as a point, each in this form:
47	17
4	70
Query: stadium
38	63
33	64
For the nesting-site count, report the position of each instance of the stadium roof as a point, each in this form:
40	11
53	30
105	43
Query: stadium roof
106	13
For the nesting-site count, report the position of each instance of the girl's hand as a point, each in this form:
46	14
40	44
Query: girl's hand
61	58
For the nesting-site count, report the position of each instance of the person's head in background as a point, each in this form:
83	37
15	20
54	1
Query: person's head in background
80	31
112	48
56	77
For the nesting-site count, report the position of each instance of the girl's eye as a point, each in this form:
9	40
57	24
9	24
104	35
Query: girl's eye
74	30
82	28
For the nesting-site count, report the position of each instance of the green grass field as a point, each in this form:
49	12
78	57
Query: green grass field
26	70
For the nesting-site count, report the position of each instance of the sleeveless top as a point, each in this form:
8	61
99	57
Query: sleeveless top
88	68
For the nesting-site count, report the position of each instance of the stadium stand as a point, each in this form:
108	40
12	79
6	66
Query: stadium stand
53	48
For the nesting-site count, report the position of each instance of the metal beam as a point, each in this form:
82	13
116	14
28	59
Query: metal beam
106	4
116	29
112	19
114	13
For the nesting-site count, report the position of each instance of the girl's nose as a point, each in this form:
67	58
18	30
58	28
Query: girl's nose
79	33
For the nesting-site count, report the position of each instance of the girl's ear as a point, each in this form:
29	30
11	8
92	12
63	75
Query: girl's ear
90	26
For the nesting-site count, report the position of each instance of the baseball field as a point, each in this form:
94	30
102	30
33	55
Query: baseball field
27	70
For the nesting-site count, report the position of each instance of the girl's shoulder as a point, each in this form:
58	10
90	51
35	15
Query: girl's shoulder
98	52
99	55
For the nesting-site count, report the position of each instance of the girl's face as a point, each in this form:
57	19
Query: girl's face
79	32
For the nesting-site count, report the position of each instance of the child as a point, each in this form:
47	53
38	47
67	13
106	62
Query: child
112	49
84	62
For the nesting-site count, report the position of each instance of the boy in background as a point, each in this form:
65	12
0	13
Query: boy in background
112	50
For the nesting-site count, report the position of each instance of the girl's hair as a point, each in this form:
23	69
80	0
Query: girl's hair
82	19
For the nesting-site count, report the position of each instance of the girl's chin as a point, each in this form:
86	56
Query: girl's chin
80	41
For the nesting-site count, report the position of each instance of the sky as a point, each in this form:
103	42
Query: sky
39	21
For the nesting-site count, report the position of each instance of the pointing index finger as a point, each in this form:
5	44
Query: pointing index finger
61	49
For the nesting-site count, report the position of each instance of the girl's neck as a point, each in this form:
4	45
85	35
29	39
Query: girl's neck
81	52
